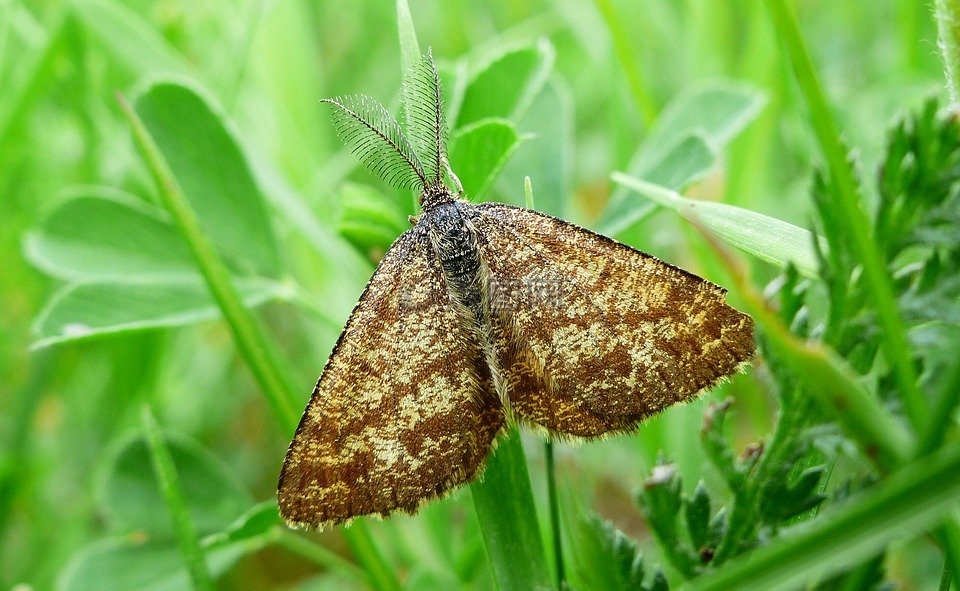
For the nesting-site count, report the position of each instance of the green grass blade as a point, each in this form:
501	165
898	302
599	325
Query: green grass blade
854	218
507	514
368	554
769	239
409	46
628	62
183	526
906	505
316	553
259	354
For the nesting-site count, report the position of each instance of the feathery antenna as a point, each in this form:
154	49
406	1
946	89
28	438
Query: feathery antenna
422	100
375	137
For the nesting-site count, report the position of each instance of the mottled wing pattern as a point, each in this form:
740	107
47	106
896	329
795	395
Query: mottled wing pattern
405	408
593	336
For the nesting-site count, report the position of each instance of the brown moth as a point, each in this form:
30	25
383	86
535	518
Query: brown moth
484	313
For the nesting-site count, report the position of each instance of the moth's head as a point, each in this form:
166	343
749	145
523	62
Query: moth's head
415	159
435	194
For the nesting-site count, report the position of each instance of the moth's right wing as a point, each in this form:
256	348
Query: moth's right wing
405	408
594	336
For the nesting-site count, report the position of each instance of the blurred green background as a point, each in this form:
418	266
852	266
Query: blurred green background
74	476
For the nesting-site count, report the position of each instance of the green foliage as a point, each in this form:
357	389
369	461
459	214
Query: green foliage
841	442
776	485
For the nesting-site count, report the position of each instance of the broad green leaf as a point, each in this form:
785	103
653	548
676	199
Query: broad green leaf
122	564
409	46
202	151
905	505
719	111
128	38
87	310
370	220
107	234
715	113
481	150
547	154
506	87
769	239
504	503
257	521
132	501
685	163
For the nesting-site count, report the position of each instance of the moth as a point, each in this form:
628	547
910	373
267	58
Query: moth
482	314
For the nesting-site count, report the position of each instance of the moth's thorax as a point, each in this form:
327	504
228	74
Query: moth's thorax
454	240
434	195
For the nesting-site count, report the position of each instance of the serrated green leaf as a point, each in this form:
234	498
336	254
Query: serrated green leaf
606	558
696	511
480	152
89	310
107	234
131	500
660	501
506	86
910	502
122	564
203	153
769	239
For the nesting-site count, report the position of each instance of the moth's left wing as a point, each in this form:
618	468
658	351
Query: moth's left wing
404	410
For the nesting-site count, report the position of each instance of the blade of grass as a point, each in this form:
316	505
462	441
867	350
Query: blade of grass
503	500
407	34
368	554
317	554
905	505
505	509
769	239
19	99
183	526
875	272
629	64
257	351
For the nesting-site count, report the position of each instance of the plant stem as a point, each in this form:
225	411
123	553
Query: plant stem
368	554
947	15
874	269
505	509
257	351
554	512
183	526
